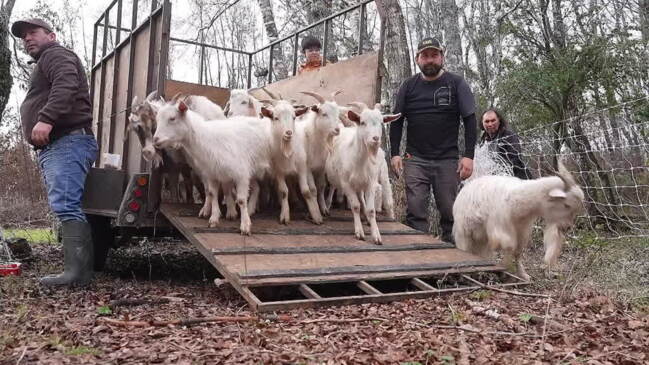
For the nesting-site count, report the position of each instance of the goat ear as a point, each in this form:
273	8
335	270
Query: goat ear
182	107
266	112
300	111
315	108
134	102
557	194
391	118
353	116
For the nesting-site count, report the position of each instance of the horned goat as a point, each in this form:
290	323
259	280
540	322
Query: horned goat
498	212
230	153
289	158
352	166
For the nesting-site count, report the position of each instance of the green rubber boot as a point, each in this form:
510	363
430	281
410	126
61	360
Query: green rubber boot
77	255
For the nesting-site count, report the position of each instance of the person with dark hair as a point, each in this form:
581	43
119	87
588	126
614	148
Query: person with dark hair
434	102
311	48
504	141
56	119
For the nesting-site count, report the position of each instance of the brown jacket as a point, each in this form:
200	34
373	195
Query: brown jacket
58	93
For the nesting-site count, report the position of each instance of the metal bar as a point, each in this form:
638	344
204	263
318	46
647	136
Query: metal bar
325	42
422	284
249	70
105	41
164	47
296	43
134	15
208	45
316	231
102	84
126	40
154	5
270	65
110	6
296	249
118	36
344	270
94	45
367	288
361	28
129	89
321	21
116	27
308	292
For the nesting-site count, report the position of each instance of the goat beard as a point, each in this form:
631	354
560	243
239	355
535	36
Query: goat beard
553	240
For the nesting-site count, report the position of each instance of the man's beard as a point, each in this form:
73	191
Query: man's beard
430	70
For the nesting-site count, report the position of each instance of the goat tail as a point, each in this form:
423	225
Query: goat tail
553	240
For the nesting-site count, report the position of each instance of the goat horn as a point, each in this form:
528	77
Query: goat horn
316	96
272	95
565	176
134	102
358	104
265	101
176	97
151	96
334	94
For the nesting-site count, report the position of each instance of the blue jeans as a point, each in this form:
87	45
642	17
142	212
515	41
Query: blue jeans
65	164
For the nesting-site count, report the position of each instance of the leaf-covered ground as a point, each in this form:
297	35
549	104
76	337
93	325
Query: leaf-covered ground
587	321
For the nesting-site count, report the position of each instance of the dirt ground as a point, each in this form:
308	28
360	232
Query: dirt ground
597	314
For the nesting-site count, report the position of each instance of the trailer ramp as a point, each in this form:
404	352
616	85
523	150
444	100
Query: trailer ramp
301	265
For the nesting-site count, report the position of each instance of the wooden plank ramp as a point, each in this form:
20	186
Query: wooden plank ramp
300	265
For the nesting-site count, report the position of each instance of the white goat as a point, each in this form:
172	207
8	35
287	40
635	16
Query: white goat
230	153
320	128
204	106
352	166
288	157
243	104
497	212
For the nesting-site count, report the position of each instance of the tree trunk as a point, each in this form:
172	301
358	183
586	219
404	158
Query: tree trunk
453	38
396	60
279	63
6	81
644	19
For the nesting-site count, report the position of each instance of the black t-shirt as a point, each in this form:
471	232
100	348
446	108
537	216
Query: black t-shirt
433	110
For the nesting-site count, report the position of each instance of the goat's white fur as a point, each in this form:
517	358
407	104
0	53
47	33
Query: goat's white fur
230	153
352	166
498	212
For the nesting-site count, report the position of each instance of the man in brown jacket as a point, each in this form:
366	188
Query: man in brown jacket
56	119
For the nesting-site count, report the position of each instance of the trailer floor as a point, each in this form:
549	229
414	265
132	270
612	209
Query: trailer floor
301	265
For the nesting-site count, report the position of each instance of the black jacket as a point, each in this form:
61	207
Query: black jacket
508	147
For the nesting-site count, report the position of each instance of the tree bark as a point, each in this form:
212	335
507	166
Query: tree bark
644	19
279	62
453	38
396	59
6	81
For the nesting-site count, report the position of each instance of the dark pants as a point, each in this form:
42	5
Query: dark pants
421	175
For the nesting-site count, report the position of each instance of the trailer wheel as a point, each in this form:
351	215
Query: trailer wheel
103	238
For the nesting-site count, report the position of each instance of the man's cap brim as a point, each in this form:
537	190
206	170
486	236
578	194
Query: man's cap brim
19	27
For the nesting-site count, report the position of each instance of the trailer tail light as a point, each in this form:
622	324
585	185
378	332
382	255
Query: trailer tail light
11	268
142	181
138	193
134	206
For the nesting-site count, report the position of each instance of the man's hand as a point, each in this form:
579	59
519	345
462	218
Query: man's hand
465	168
41	134
397	165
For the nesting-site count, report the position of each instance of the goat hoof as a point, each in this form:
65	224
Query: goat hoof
360	236
212	223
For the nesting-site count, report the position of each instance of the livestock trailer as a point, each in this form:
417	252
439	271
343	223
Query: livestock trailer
278	267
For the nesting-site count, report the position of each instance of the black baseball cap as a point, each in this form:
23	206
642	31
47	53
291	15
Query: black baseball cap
429	42
18	28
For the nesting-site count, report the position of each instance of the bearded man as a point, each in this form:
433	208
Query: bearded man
434	102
